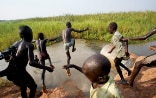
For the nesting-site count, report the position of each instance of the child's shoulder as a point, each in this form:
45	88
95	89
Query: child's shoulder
117	33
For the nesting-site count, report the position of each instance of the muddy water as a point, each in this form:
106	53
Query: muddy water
84	50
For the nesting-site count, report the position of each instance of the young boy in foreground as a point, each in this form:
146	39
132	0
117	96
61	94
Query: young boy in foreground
97	68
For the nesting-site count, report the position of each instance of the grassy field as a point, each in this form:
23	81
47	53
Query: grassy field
130	24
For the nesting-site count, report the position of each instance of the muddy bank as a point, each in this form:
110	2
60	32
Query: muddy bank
68	89
144	87
144	84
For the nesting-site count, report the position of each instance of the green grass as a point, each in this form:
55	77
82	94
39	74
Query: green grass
130	24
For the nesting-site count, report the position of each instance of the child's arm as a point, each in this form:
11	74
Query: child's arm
32	62
79	31
73	66
111	49
126	41
144	37
33	41
53	39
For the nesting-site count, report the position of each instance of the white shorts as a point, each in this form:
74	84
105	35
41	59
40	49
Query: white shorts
68	45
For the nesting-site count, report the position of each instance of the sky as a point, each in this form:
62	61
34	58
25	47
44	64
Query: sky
21	9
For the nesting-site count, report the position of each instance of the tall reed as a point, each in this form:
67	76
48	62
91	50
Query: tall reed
130	24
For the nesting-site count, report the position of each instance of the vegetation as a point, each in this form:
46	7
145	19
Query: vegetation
130	24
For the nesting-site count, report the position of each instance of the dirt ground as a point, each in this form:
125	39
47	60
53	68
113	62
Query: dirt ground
144	84
144	87
67	90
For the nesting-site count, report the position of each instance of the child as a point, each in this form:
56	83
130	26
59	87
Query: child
149	61
43	55
16	70
69	41
97	68
121	52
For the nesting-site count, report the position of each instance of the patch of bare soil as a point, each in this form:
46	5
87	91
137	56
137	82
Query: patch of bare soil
67	90
144	84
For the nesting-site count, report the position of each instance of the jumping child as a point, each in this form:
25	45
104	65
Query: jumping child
16	70
43	55
121	44
69	41
148	61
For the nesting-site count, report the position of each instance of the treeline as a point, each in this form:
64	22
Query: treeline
130	24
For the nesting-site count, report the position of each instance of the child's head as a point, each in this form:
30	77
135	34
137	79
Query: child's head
40	36
68	24
25	32
112	27
96	68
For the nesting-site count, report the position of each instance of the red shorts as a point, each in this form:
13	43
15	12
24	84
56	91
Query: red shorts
43	56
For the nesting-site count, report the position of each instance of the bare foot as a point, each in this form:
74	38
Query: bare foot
74	49
52	66
68	72
44	90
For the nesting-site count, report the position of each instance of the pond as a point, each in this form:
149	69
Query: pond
84	49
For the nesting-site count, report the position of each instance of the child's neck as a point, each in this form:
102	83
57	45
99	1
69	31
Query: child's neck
100	83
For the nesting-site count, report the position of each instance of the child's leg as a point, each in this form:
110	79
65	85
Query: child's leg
43	77
24	81
23	92
137	68
73	46
52	66
68	57
31	85
117	65
21	83
128	70
68	62
43	72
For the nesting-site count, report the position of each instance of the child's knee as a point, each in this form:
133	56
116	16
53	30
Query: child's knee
69	57
138	64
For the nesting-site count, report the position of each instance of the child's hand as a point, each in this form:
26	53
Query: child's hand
109	51
127	54
65	67
50	69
